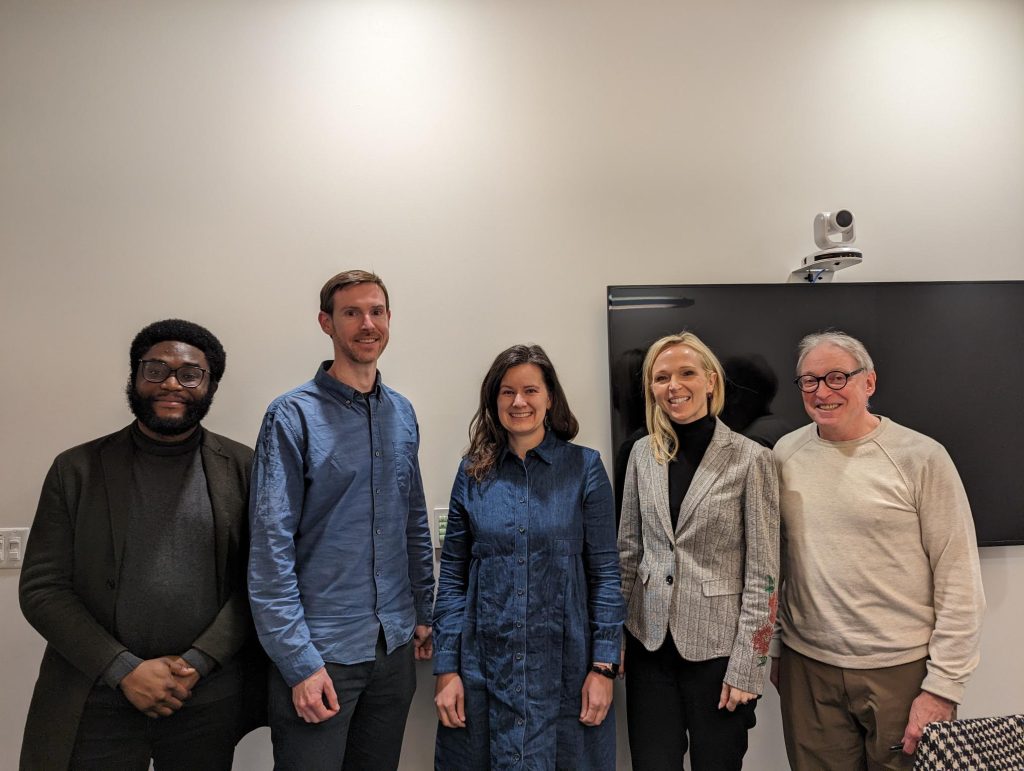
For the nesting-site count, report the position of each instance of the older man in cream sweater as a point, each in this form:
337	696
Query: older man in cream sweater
881	603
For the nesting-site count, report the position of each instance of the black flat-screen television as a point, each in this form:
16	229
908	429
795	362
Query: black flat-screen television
949	357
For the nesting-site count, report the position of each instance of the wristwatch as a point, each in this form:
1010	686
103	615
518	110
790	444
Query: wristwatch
611	671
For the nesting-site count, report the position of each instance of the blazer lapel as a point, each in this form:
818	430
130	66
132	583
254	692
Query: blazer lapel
657	473
715	458
116	460
223	501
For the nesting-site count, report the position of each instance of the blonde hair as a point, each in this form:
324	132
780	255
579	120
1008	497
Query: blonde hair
663	440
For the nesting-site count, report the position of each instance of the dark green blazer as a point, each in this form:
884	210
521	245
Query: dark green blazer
69	583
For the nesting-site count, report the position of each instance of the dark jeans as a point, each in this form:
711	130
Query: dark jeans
670	700
365	734
114	736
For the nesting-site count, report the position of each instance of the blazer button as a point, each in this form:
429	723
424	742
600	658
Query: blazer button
110	583
671	547
668	580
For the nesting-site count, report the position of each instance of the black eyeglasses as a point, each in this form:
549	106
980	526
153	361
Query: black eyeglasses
155	371
835	380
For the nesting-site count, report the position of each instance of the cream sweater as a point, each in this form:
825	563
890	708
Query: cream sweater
879	557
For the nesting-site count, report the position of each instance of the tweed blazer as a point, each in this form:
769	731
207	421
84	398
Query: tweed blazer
69	583
713	580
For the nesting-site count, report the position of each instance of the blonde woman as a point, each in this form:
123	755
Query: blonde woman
698	544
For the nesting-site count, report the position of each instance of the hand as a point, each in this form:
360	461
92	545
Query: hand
184	672
926	708
314	698
422	642
154	688
773	675
622	663
597	699
733	697
450	700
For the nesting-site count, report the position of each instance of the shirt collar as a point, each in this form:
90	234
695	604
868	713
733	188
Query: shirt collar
327	381
545	450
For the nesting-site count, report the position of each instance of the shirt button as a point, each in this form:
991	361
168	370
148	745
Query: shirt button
519	592
515	758
519	624
377	491
378	574
668	580
519	689
522	500
377	453
521	560
522	529
348	402
378	531
519	657
519	721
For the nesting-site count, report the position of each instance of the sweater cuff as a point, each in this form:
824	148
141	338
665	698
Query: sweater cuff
201	662
940	686
124	663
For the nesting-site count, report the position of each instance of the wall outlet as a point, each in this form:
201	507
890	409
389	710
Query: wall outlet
12	546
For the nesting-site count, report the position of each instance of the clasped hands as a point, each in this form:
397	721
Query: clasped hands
158	687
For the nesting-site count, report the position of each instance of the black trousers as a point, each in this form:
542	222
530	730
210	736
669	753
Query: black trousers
672	706
114	736
367	732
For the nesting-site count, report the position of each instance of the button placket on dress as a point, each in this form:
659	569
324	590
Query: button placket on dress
521	572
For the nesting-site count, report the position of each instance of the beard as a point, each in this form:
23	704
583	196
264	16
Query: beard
142	408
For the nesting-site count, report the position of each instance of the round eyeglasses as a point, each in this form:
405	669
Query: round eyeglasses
835	380
155	371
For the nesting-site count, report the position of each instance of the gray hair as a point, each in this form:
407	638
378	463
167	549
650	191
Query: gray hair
840	340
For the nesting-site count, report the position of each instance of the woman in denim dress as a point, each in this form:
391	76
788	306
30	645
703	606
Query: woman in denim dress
529	607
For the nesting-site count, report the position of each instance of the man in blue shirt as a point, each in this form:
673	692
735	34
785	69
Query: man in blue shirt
341	572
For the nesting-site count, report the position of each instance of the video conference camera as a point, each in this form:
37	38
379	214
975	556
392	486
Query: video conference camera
834	234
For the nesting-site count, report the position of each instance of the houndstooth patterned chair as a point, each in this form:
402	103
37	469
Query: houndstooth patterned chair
975	744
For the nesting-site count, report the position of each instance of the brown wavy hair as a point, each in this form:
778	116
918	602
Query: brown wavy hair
487	437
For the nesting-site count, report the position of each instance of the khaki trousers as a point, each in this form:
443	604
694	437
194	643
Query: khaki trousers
836	719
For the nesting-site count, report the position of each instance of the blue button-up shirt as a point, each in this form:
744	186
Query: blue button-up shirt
340	542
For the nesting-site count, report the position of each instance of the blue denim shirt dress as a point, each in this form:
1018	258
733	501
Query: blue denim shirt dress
528	596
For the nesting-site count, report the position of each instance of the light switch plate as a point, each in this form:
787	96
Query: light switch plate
12	547
438	525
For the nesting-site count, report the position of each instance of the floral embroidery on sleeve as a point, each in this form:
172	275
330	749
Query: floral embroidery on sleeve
763	636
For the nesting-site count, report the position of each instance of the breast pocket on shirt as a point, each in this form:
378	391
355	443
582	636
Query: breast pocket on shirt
405	459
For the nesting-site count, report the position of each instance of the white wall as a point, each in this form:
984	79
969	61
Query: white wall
499	164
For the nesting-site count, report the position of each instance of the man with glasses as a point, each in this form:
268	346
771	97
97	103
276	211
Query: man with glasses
135	576
881	598
341	576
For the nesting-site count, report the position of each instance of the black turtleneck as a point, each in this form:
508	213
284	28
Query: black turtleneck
694	439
